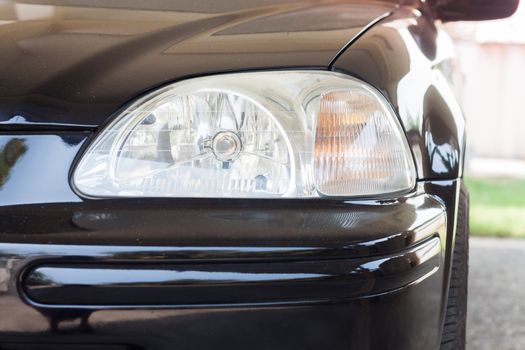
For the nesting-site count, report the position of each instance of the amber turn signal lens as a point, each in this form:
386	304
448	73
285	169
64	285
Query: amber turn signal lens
359	146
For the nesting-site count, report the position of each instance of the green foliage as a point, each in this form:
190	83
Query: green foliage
497	207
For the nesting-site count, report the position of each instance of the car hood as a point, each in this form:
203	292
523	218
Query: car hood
74	63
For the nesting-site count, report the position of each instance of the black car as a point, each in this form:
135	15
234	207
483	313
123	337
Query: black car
259	174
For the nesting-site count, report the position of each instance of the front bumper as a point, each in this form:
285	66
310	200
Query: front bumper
199	274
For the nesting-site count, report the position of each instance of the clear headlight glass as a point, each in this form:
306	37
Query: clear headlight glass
283	134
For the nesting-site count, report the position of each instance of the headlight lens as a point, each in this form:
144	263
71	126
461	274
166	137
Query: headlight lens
263	134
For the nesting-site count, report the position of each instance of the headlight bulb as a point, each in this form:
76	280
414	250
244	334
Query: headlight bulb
226	146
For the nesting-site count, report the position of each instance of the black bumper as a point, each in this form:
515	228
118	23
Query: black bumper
208	274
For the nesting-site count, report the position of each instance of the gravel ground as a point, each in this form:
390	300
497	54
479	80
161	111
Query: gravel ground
496	305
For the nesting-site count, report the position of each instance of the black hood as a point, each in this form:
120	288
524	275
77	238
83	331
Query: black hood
77	62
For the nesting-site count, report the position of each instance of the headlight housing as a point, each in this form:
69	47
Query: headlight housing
281	134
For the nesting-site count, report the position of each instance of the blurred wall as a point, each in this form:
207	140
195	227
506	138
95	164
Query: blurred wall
492	93
491	84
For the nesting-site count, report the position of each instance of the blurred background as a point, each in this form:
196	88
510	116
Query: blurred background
490	83
491	76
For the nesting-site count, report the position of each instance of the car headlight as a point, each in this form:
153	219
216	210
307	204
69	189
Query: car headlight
263	134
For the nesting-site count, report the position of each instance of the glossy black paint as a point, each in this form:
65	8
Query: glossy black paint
47	210
77	65
160	282
411	62
473	10
112	59
318	235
